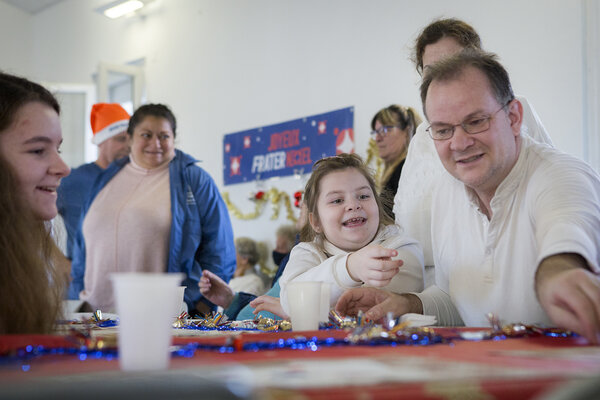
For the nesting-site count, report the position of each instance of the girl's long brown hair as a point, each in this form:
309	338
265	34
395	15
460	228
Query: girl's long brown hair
31	286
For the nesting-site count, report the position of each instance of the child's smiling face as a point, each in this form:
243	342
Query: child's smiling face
348	215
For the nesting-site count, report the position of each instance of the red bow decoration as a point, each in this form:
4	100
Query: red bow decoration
298	197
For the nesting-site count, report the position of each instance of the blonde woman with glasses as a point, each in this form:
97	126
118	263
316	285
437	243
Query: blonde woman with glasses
392	129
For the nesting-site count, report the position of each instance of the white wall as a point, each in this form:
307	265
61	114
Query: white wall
226	66
15	41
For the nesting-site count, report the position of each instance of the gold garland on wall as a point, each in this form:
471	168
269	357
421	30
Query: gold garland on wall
276	196
235	211
260	199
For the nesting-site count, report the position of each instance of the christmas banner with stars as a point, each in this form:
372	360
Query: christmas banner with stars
287	148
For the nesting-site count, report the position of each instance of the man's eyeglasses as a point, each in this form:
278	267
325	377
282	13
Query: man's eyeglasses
472	125
384	130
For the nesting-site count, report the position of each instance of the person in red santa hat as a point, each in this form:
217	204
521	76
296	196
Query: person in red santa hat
109	124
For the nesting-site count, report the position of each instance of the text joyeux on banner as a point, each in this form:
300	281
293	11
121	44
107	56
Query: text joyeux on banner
284	149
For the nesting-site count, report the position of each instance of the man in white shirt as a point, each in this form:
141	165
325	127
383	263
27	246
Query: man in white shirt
515	225
412	203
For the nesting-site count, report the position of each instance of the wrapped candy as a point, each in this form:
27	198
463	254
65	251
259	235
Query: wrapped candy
84	339
181	320
341	322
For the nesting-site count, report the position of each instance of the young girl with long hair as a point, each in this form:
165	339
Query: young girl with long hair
31	281
350	241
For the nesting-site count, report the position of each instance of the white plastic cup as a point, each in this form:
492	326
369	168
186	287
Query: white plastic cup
178	306
145	307
304	299
325	305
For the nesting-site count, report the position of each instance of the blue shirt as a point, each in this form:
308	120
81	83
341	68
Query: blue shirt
240	308
73	193
248	312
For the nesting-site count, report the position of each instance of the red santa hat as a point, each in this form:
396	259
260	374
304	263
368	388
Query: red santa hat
108	120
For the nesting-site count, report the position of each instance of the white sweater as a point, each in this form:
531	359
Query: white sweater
321	261
548	204
412	203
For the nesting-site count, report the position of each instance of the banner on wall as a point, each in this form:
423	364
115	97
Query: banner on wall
286	148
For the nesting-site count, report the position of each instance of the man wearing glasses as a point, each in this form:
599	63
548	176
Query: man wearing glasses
412	203
515	228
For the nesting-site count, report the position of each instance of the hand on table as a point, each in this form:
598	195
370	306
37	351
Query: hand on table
268	303
373	265
215	289
376	303
570	295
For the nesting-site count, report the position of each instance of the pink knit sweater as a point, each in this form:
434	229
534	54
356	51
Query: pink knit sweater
126	229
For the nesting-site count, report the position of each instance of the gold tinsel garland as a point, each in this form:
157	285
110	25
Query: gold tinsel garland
275	196
260	199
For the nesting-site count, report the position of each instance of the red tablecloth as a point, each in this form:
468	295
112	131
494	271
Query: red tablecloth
544	363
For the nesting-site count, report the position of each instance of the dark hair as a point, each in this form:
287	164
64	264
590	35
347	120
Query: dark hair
15	92
324	167
451	68
463	33
152	110
396	115
31	283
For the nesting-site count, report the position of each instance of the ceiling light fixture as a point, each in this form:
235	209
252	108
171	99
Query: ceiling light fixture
120	8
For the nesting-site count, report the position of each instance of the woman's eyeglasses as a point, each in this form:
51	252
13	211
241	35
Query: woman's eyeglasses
384	130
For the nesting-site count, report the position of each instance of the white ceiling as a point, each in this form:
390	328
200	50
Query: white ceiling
32	6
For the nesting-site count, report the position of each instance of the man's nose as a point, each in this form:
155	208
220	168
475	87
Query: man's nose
461	139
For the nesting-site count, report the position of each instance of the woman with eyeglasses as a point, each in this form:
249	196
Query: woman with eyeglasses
393	127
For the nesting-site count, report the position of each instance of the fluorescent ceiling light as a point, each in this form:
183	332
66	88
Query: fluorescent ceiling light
121	8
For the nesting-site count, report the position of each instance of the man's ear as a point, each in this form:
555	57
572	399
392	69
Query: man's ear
515	115
314	222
